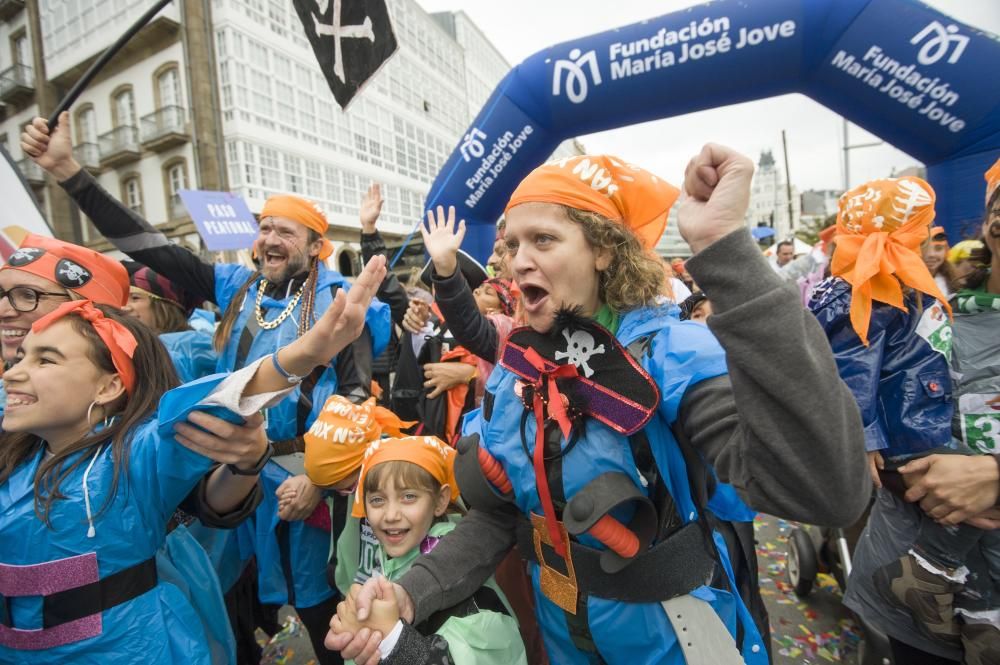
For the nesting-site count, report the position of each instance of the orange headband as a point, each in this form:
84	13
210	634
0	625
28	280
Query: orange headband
306	213
429	453
336	442
880	227
992	180
606	185
91	274
116	337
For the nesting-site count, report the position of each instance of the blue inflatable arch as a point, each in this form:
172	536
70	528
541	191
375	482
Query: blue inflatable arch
903	71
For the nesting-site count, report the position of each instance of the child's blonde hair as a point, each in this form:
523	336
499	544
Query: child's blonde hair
401	474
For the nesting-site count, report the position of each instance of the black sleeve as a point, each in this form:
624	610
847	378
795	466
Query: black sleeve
416	649
462	562
196	505
469	327
391	292
134	236
354	369
781	427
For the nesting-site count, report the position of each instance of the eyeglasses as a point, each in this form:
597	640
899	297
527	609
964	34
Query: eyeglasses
25	298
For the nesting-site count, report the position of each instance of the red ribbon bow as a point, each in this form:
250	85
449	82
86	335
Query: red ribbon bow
557	411
120	342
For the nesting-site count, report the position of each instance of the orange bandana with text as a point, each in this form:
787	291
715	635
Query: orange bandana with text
992	180
880	228
606	185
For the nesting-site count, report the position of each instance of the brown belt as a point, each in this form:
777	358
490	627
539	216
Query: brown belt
289	446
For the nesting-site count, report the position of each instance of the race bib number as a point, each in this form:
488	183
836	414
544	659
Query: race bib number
980	422
369	562
935	328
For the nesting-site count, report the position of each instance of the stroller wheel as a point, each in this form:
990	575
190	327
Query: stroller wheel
802	565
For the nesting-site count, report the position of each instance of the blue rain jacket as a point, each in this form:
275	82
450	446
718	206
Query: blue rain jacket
192	353
159	627
682	354
309	546
901	379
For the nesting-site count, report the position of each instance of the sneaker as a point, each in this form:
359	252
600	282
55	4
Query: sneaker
927	596
981	643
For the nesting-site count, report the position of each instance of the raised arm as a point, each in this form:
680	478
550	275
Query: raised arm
390	291
127	231
782	428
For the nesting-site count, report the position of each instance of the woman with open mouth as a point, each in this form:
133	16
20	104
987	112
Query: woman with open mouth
608	425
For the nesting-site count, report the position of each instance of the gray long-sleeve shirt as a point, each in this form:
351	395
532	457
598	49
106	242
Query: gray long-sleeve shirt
782	428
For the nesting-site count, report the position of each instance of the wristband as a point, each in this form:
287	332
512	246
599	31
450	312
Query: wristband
291	378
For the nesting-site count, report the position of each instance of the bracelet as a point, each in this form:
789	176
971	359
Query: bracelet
291	378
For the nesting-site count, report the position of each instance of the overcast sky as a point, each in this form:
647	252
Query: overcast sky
519	28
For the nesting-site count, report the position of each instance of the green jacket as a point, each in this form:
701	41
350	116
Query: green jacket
357	554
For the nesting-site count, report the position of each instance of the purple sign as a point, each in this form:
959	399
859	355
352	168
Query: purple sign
223	219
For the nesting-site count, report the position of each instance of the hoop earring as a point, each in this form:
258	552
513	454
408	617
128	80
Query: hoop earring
90	410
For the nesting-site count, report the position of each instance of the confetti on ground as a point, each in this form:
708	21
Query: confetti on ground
807	630
276	651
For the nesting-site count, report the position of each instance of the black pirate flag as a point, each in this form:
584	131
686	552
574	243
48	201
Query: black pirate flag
352	39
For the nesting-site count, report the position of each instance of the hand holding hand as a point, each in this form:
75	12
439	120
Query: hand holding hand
297	498
715	196
442	240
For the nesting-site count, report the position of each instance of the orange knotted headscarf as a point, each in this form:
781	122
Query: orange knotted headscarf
336	442
880	227
120	342
303	211
606	185
428	452
992	180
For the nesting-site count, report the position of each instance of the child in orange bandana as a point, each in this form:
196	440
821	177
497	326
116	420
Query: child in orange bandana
892	348
405	488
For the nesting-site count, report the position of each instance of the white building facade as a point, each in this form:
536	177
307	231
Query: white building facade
227	94
769	199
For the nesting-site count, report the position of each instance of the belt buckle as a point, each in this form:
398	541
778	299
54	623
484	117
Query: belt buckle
560	589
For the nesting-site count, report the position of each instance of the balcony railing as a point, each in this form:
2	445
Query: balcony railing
119	146
17	84
10	8
89	156
32	172
165	128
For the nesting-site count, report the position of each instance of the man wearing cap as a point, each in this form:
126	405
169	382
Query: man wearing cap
263	310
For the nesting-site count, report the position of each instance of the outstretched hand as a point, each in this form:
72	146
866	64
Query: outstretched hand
371	208
442	240
53	151
716	195
344	320
367	615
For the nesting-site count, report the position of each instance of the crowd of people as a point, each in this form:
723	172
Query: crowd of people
555	457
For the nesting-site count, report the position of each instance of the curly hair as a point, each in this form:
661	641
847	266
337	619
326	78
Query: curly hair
635	276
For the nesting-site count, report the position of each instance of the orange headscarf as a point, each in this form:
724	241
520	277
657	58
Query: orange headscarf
992	180
428	452
91	274
880	227
120	342
336	442
606	185
300	210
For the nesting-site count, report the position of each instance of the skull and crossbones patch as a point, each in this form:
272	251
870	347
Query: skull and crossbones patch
24	256
580	346
71	274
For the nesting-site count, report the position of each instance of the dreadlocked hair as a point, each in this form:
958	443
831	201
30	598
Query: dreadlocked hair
225	329
635	276
156	376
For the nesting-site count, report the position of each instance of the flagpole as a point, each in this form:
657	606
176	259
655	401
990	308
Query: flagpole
95	68
406	242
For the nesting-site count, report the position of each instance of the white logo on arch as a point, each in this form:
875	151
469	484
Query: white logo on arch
577	79
472	144
940	40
